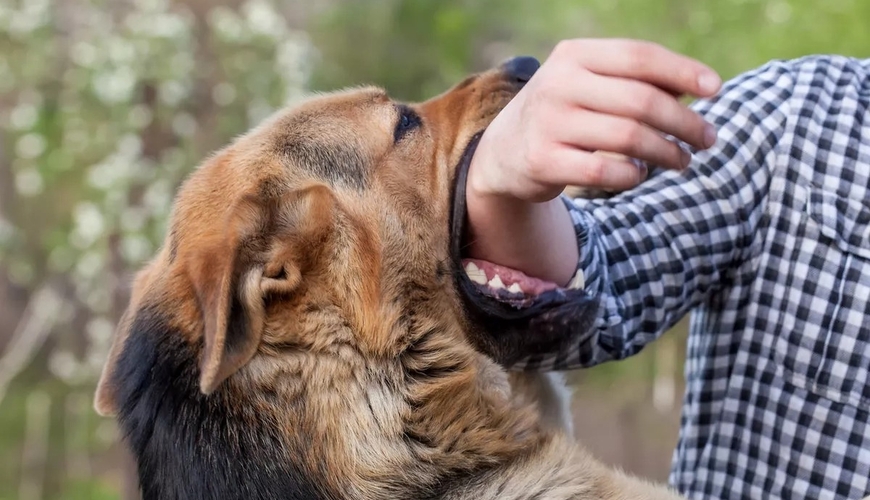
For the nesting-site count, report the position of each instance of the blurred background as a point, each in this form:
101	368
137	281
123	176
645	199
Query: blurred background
105	105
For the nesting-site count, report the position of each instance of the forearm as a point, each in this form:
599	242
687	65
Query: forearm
543	243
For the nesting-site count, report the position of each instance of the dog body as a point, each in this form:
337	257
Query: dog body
301	333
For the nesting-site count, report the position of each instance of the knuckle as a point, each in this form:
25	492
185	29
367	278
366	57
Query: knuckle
694	134
564	48
675	154
593	170
646	103
537	158
667	153
545	88
641	53
647	49
688	77
629	137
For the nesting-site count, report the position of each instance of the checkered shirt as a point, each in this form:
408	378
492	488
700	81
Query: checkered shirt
766	239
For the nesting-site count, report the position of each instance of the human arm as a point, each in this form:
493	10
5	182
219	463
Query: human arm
590	95
653	253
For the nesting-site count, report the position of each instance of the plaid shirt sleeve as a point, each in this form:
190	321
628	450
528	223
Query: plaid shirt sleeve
654	253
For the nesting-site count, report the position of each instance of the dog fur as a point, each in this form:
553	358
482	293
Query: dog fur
300	334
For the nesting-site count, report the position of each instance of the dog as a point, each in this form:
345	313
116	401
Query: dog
306	331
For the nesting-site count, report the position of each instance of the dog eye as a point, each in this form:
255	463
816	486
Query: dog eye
408	120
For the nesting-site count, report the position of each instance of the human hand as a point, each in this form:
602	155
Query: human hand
590	98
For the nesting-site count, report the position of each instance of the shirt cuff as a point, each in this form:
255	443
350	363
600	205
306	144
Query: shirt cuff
592	270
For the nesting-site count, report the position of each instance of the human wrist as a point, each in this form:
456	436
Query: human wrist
535	238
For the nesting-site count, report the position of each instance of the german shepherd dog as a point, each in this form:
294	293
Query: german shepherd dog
306	331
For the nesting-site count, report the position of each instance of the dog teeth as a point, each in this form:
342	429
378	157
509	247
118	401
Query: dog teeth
515	288
578	282
496	282
475	274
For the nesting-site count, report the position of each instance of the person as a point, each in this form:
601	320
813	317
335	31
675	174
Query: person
759	224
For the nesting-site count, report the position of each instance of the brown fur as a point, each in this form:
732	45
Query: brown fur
307	265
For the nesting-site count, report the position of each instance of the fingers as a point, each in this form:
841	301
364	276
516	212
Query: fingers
644	103
591	98
645	61
598	131
571	166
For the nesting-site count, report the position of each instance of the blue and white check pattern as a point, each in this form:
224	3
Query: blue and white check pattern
766	238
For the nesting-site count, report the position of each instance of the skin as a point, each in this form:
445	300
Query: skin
590	107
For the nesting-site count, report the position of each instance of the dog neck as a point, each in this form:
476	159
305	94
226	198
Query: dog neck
440	410
188	445
435	409
327	422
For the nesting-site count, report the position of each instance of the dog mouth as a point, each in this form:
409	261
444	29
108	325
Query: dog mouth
517	315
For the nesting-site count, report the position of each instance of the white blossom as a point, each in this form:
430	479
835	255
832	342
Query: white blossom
33	14
97	298
184	125
139	117
23	116
158	196
136	248
223	94
84	53
114	86
121	51
99	330
172	92
7	231
28	182
133	219
89	224
88	266
778	11
226	23
101	124
129	146
262	19
30	146
62	365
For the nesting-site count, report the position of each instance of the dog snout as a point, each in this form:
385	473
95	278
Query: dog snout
520	69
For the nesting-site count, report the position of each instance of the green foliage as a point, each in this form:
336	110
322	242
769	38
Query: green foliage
417	48
74	439
733	35
106	106
110	105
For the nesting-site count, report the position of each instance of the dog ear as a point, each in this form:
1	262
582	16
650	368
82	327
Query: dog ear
227	284
261	251
106	397
233	289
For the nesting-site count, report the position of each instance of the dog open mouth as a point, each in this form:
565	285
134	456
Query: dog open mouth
520	316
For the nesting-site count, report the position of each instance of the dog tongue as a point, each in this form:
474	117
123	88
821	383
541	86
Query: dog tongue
496	276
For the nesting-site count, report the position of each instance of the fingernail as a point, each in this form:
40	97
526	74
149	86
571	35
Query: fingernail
710	135
685	158
643	169
709	83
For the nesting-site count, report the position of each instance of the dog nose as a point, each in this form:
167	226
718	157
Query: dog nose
521	68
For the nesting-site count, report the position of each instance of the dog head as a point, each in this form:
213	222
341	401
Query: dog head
320	254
